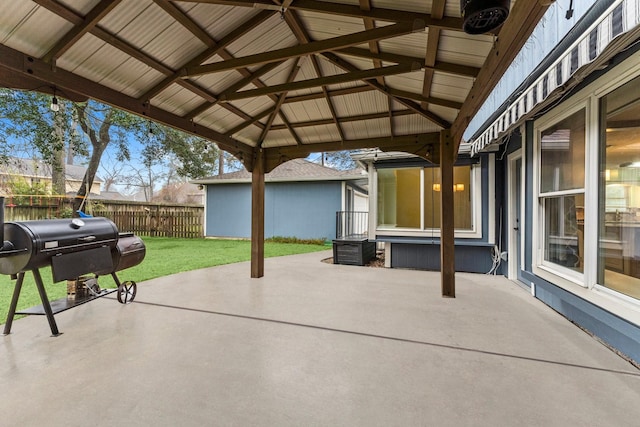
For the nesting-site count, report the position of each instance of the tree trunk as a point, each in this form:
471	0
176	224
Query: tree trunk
99	141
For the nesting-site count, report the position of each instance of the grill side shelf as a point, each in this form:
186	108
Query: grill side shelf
66	303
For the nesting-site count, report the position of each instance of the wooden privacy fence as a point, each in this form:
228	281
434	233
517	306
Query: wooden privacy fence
158	221
143	219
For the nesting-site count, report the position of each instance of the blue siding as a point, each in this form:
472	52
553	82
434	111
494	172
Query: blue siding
229	210
609	328
471	259
619	333
306	210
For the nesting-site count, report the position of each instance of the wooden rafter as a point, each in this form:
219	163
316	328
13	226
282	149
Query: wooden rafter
215	48
442	66
88	22
407	103
347	119
321	81
301	35
334	43
379	14
134	52
276	110
331	93
437	12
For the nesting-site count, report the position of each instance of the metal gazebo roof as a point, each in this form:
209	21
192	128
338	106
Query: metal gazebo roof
271	81
285	77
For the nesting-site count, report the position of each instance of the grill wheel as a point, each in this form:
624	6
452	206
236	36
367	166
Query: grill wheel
127	291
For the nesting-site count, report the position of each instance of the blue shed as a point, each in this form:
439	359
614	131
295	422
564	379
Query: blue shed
301	200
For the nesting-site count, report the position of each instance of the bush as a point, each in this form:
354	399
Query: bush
280	239
22	190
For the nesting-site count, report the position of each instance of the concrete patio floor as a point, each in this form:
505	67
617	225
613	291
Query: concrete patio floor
311	344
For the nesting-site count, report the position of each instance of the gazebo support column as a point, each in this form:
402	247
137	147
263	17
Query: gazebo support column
447	244
257	215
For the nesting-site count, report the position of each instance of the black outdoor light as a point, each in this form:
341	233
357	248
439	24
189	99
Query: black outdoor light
482	16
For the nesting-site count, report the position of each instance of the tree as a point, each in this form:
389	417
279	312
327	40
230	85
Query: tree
340	160
27	115
168	155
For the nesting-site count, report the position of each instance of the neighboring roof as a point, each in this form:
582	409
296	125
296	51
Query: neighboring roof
38	168
282	78
110	195
291	171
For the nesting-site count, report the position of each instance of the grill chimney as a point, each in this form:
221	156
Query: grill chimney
4	245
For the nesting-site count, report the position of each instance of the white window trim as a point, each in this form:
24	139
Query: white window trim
512	239
545	269
609	299
476	210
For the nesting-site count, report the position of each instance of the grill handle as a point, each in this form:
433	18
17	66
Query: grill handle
87	239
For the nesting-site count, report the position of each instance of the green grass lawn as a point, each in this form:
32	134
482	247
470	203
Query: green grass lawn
164	256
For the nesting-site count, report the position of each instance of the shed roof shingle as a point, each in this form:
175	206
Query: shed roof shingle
293	170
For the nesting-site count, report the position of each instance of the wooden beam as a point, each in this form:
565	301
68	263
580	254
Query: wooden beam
254	120
522	20
172	76
333	8
291	77
347	119
424	145
320	81
231	89
447	244
257	215
331	93
334	43
441	66
336	60
215	48
397	93
188	23
300	32
88	22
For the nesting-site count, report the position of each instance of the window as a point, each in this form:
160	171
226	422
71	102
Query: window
619	191
409	198
561	194
399	198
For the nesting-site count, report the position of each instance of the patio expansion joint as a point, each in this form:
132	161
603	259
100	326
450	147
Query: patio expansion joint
635	373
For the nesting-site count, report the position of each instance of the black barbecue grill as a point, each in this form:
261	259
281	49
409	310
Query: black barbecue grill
73	248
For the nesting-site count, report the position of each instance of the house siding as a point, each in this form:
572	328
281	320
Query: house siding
471	259
608	326
228	211
305	210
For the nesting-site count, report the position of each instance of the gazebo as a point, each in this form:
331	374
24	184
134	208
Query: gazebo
271	81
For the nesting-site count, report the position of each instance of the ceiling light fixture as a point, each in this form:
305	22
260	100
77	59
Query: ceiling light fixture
482	16
54	102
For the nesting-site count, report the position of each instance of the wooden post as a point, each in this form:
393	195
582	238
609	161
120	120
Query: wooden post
257	215
447	244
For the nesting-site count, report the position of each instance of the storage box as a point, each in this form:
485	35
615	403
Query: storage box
353	251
